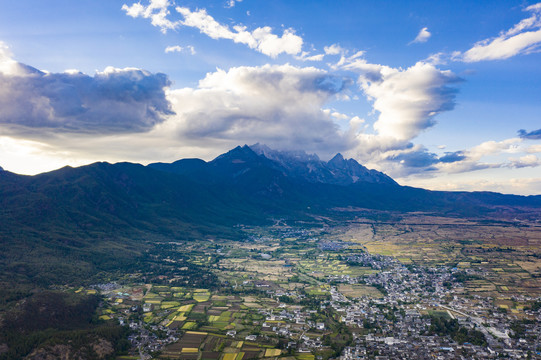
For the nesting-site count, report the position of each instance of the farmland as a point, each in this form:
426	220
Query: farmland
317	291
508	255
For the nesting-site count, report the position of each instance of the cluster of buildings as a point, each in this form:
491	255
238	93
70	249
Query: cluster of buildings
393	327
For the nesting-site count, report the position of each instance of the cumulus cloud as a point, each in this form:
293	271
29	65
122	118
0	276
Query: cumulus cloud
276	105
422	36
131	114
406	102
532	135
9	66
523	38
115	100
407	99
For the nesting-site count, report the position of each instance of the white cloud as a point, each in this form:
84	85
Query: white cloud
494	147
339	116
334	49
174	48
261	39
472	159
232	3
407	99
157	11
206	24
112	101
276	105
10	67
523	38
439	58
422	36
525	161
305	56
178	48
209	120
533	149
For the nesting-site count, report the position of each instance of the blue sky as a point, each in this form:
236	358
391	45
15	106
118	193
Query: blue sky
437	94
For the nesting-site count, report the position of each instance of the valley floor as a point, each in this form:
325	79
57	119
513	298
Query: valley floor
417	287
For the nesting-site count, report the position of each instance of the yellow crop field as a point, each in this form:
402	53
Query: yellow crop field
185	308
189	325
229	356
153	301
272	352
200	297
169	304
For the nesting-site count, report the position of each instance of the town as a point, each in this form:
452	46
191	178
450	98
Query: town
304	294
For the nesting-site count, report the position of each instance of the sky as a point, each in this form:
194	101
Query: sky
444	95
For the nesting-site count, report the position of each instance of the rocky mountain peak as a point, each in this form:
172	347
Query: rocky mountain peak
337	160
338	171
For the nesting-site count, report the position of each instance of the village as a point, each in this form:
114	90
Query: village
296	295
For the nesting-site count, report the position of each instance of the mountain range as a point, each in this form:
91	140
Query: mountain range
79	221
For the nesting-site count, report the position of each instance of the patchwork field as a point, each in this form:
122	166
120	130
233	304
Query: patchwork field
508	255
321	268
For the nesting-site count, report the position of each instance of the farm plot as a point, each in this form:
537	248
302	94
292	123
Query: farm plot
321	268
356	291
186	348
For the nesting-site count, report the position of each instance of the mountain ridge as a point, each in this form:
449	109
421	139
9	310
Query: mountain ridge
293	164
337	171
76	221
